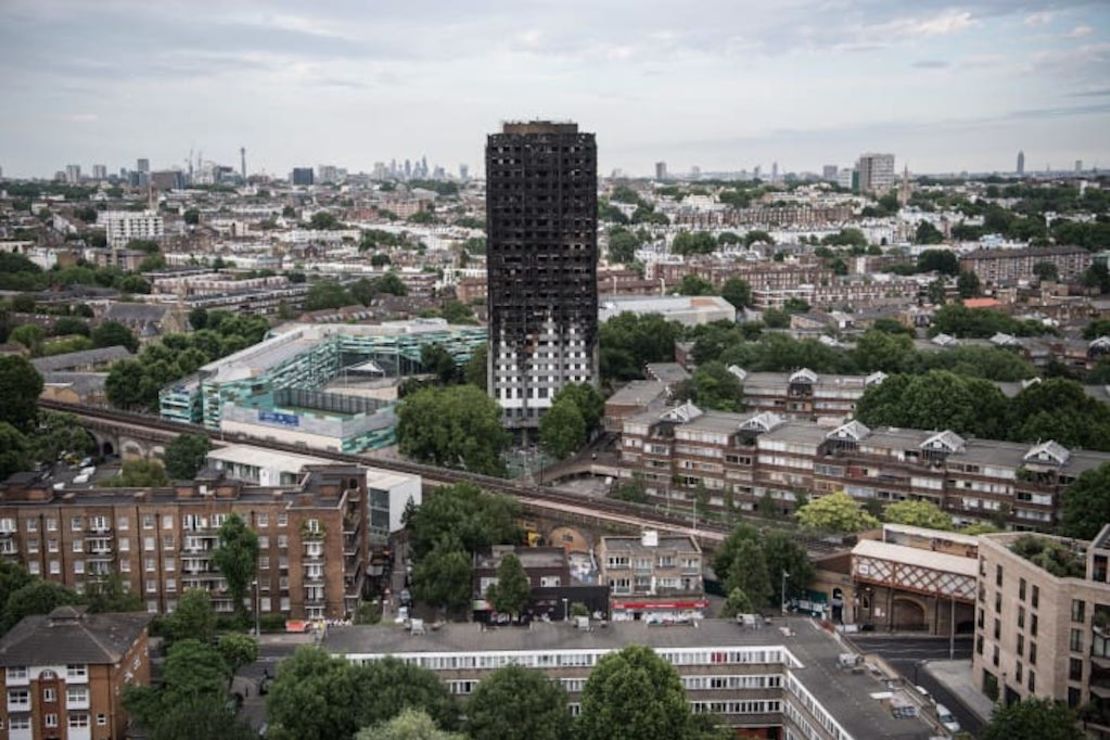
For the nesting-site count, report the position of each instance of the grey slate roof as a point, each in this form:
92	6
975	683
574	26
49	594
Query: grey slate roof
71	635
99	356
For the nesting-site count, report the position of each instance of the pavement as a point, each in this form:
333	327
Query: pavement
956	676
909	654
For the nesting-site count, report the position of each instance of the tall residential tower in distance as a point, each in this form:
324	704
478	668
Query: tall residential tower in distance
1021	163
541	220
876	172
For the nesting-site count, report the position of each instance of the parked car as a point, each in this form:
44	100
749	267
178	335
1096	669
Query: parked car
950	723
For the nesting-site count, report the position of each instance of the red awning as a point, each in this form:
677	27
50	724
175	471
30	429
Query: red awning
696	604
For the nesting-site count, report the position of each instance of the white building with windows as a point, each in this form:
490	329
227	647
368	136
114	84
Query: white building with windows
122	226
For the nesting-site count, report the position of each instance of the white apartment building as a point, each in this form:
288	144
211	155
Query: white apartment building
123	226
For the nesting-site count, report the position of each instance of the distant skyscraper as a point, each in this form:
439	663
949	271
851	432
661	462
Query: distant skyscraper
829	172
1021	163
142	165
756	170
845	177
541	220
695	172
100	172
876	172
774	172
73	173
464	172
1078	166
327	173
660	170
408	169
301	176
243	163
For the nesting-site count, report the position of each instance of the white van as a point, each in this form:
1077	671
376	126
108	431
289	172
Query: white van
950	723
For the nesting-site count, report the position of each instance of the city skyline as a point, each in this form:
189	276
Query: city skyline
333	84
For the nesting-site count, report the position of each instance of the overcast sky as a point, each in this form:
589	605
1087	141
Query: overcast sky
722	85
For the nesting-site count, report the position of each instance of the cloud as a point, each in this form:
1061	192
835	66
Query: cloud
945	23
1042	18
1105	92
931	64
81	118
1080	31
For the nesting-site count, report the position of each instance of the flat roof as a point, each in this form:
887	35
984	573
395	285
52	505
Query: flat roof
939	534
845	695
917	556
260	457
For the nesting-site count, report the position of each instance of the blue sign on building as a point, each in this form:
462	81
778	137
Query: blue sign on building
275	417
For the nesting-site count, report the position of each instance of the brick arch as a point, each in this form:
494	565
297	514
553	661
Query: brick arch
910	612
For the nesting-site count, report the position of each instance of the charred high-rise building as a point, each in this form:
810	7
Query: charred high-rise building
541	221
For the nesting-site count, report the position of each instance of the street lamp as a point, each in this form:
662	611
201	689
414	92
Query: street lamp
783	591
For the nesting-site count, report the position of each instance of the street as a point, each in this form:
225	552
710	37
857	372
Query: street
272	649
905	654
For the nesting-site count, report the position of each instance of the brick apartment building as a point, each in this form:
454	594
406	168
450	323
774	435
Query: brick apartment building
761	275
805	394
1042	635
1008	266
739	458
64	674
653	578
313	539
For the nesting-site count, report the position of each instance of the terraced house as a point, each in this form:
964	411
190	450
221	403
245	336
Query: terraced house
739	459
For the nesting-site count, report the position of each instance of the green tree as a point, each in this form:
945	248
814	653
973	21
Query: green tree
194	617
139	474
385	688
30	336
237	651
35	597
943	261
128	386
967	284
456	427
926	233
198	318
836	513
110	594
410	724
70	325
475	371
775	318
15	453
737	602
917	514
194	668
738	292
757	235
113	334
1086	504
630	341
937	399
442	577
515	702
1046	271
623	245
879	350
749	573
562	429
435	359
633	695
236	555
185	455
511	592
20	387
327	294
464	512
13	577
589	402
712	387
313	698
784	554
693	285
324	221
1043	719
725	556
192	216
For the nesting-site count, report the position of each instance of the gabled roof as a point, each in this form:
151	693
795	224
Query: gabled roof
1049	451
762	422
1102	342
738	371
945	340
1004	340
681	414
946	440
852	430
805	375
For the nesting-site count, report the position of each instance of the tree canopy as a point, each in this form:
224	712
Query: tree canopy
630	341
1043	719
515	702
185	455
236	555
20	387
562	429
837	513
1086	504
456	427
511	592
917	514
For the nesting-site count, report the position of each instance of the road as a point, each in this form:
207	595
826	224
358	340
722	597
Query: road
272	649
905	655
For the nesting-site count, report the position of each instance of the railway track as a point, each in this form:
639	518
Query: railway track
621	513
